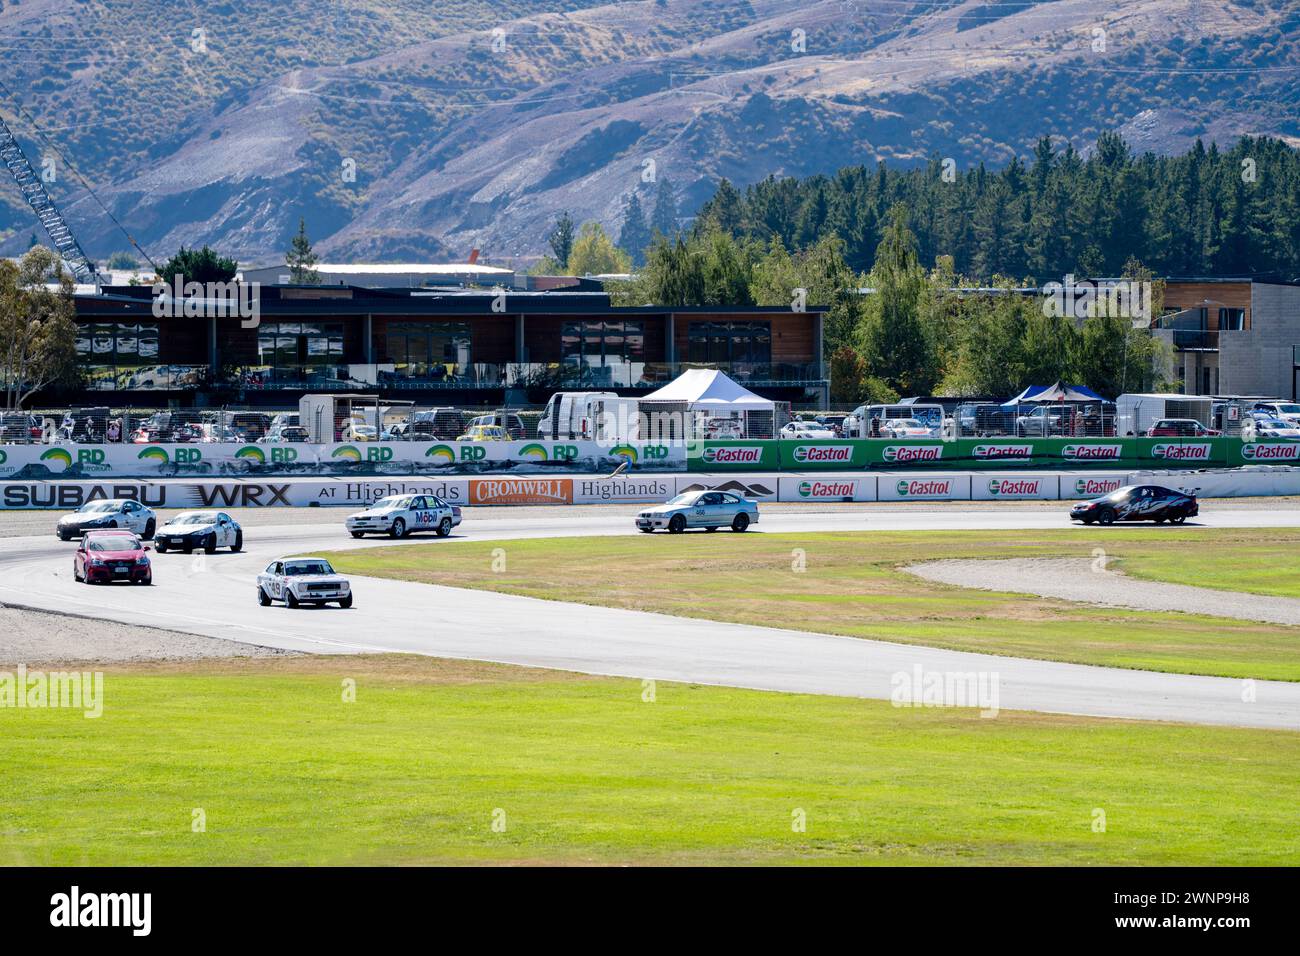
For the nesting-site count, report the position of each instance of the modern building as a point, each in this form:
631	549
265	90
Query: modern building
447	346
1233	336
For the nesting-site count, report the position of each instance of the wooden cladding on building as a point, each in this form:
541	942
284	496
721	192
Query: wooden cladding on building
1211	296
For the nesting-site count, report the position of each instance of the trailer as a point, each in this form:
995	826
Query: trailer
1135	413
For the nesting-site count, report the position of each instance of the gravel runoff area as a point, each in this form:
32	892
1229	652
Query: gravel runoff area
35	637
1075	579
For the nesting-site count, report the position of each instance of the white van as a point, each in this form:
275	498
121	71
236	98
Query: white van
589	416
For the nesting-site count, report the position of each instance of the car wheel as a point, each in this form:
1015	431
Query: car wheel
239	541
398	530
63	535
149	527
262	597
740	522
345	601
444	527
1107	516
75	575
289	599
1179	520
677	524
358	534
210	544
162	547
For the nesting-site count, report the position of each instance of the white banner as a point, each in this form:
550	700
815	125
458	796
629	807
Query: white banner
758	487
923	487
996	486
852	487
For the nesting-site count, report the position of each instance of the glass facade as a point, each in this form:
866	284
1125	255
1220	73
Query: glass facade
427	350
730	343
120	355
597	343
289	347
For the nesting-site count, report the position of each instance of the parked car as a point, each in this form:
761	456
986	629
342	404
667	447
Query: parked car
511	422
1043	421
1287	411
106	556
1276	428
208	530
710	510
282	433
1179	428
1137	503
905	428
806	430
298	581
436	424
484	433
19	427
108	513
723	429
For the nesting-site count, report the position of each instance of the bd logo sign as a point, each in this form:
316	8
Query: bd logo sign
1270	452
820	454
472	452
1181	452
381	453
284	456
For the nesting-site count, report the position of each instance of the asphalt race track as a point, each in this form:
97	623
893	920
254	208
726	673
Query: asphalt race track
213	595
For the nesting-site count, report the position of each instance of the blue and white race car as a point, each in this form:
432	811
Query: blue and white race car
710	510
208	530
399	515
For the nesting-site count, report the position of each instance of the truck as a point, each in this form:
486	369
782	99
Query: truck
590	416
1135	413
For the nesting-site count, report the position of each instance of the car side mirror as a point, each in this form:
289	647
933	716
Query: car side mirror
145	548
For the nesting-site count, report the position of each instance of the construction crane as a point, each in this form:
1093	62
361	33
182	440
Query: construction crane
33	190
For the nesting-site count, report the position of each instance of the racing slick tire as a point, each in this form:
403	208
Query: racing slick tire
289	598
1107	516
740	522
398	530
262	597
345	601
677	524
149	528
358	534
239	541
210	544
444	527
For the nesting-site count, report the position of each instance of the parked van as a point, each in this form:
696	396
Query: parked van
589	416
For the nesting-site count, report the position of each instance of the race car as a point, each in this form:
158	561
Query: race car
208	530
106	556
1137	503
906	428
710	510
806	430
399	515
108	513
298	581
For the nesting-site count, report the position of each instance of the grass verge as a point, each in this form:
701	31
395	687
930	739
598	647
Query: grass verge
586	769
849	583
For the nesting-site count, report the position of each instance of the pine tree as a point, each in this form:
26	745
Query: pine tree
561	240
634	238
301	259
664	218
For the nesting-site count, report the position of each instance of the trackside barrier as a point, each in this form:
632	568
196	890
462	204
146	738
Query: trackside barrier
564	489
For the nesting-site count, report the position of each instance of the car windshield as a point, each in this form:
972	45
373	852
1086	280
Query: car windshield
97	507
910	423
292	568
113	542
395	501
197	517
686	498
1274	423
1289	409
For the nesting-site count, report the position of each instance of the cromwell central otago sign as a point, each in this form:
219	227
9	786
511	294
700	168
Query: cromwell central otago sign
521	491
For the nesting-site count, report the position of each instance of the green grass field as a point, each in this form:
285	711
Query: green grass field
851	584
585	770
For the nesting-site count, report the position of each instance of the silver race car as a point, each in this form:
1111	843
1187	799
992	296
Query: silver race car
108	513
399	515
297	581
208	530
710	510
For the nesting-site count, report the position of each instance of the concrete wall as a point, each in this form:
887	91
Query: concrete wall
1259	361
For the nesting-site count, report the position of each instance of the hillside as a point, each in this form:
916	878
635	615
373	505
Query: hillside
475	123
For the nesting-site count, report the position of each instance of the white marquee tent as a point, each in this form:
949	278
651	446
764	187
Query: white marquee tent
708	389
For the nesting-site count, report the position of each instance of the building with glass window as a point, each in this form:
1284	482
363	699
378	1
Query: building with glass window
432	346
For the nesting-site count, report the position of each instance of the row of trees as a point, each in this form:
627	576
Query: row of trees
914	332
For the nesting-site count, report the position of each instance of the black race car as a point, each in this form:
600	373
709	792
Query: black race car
1137	503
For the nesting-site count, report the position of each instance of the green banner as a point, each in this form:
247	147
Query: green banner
756	455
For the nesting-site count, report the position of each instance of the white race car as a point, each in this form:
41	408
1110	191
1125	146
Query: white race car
208	530
105	514
298	581
399	515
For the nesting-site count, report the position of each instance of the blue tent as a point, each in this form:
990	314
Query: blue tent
1058	392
